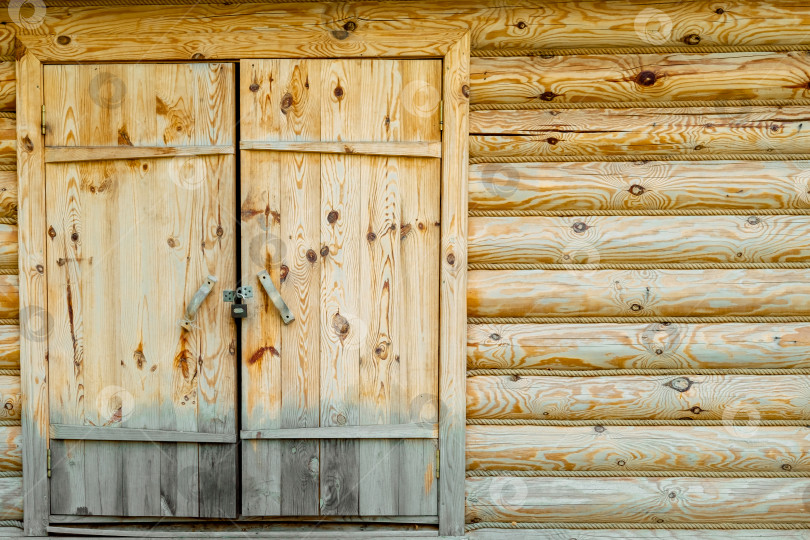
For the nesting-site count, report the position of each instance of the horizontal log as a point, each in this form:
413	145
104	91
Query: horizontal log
9	297
8	193
8	246
633	239
665	293
7	35
639	77
8	86
423	430
640	346
634	397
763	533
388	148
699	130
640	185
638	500
530	24
10	397
743	449
10	448
9	346
11	498
100	433
8	141
60	154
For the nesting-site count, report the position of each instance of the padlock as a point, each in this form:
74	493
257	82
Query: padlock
239	311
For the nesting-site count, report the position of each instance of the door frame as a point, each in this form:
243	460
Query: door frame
447	41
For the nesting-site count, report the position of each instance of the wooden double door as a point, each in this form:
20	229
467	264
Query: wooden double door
313	183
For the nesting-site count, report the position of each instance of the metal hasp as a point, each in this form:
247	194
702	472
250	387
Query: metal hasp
275	297
196	302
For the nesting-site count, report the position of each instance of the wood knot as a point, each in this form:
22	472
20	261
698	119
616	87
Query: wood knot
40	269
636	190
738	254
552	141
659	351
522	25
451	259
580	227
332	216
254	87
27	144
198	56
51	232
621	463
283	272
311	255
350	26
324	251
465	91
220	231
671	495
696	410
680	384
719	11
646	78
495	337
599	429
341	326
371	237
381	351
286	102
787	467
171	242
74	236
339	92
63	40
753	220
692	39
341	419
636	307
548	95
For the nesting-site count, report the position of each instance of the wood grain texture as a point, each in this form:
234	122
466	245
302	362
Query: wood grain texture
643	500
11	448
639	77
631	239
453	275
625	448
32	293
664	293
705	397
583	132
11	397
8	141
9	347
640	185
8	86
7	36
531	24
8	193
11	498
57	154
637	346
390	148
636	534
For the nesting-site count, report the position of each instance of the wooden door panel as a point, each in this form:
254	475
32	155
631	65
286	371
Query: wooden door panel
352	243
131	242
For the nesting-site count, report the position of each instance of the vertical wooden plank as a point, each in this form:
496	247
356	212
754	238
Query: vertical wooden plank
216	404
420	237
261	250
300	238
453	315
341	326
33	294
380	264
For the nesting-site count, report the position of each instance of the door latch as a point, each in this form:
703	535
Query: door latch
187	322
267	282
238	308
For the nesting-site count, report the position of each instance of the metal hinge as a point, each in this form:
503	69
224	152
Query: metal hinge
441	115
49	462
437	463
43	119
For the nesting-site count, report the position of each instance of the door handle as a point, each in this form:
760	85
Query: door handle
196	301
275	297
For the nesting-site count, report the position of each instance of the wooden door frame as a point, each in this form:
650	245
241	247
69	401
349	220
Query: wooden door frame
452	46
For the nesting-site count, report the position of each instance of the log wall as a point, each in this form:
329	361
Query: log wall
653	104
